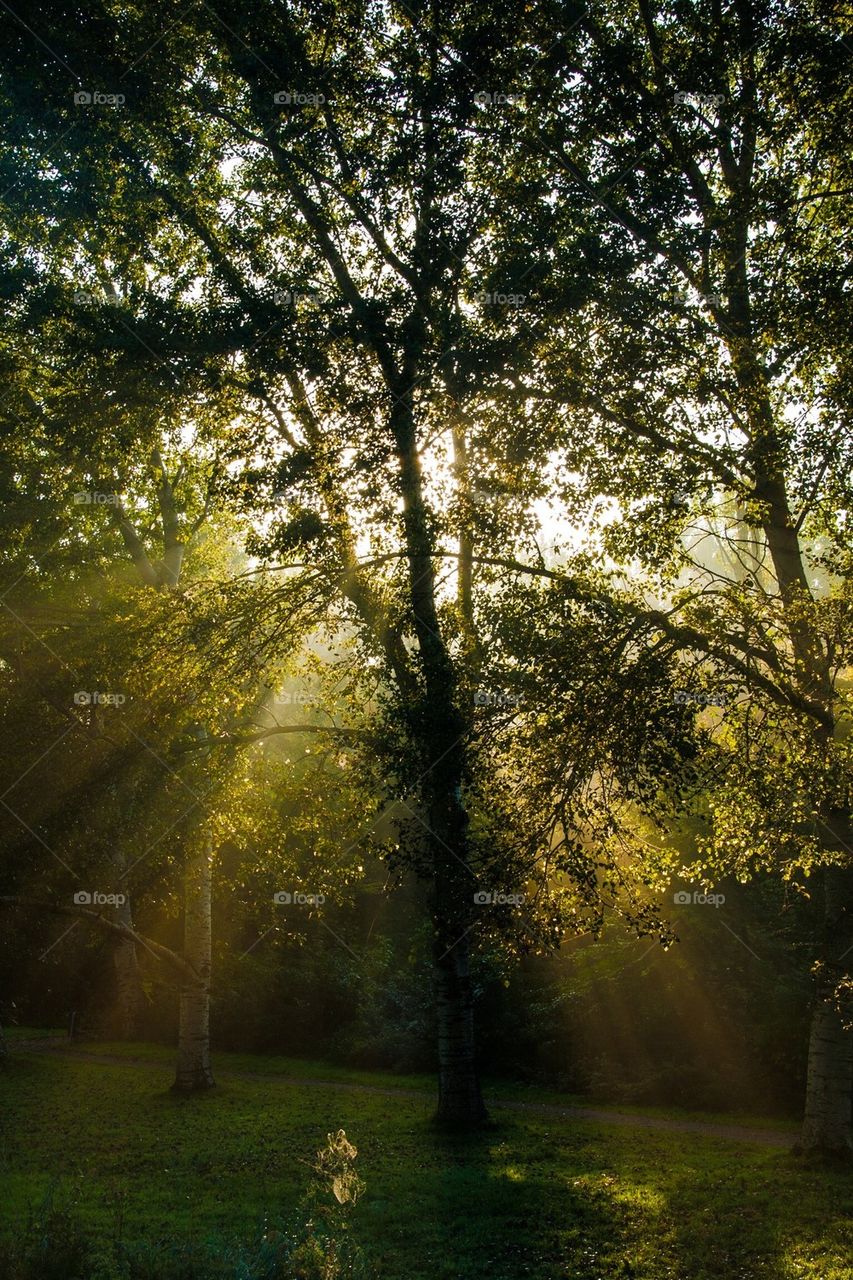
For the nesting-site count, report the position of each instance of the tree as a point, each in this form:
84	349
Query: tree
349	308
700	389
383	351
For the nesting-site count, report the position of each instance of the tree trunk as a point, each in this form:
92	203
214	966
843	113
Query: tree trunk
829	1089
829	1083
441	731
829	1086
126	965
460	1102
193	1072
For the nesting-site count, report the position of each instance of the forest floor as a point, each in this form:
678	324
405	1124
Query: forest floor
502	1096
91	1139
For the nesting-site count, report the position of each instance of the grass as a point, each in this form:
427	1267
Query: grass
547	1198
499	1089
257	1064
33	1033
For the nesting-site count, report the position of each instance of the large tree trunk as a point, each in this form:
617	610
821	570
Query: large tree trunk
460	1102
829	1083
193	1070
441	731
829	1087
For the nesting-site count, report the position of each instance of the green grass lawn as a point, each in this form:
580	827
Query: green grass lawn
533	1196
496	1090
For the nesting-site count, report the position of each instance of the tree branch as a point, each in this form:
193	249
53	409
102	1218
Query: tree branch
169	957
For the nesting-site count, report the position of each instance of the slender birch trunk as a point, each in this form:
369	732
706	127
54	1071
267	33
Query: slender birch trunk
829	1087
126	963
193	1072
828	1119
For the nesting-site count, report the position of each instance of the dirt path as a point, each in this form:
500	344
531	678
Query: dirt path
728	1132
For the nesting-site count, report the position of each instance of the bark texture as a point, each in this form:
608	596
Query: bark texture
193	1072
460	1102
828	1117
829	1088
126	965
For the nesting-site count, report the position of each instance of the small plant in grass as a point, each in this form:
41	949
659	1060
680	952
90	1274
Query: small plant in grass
334	1166
54	1245
328	1252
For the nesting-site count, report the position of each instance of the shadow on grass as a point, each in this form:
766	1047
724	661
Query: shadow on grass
773	1218
483	1210
579	1204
